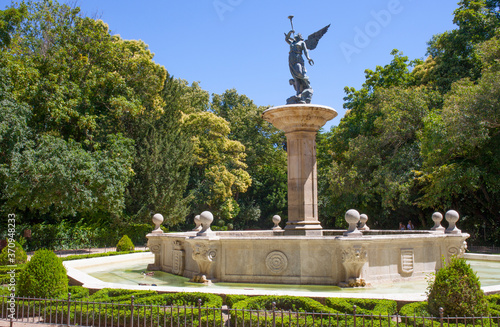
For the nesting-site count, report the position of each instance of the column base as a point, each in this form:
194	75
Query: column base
304	228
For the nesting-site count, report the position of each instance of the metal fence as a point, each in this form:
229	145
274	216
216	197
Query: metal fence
483	249
130	313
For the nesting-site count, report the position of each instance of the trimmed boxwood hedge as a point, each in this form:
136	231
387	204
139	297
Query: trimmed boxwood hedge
113	307
494	304
232	299
96	255
333	311
363	306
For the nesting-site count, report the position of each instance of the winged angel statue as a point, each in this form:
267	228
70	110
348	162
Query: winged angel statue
300	80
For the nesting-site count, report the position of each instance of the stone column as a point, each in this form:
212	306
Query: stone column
302	183
300	122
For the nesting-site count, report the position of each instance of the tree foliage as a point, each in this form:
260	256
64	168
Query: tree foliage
265	159
421	136
460	145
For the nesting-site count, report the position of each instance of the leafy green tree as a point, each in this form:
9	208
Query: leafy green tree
366	162
9	18
79	94
460	146
125	244
163	161
60	177
265	158
19	255
452	53
375	173
218	175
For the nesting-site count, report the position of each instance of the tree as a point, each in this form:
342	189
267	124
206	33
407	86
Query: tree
44	277
460	146
452	53
74	98
61	178
375	173
265	158
163	162
9	18
219	174
366	162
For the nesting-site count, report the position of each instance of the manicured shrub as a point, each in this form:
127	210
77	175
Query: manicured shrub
96	255
183	299
232	299
44	276
78	292
125	244
19	255
415	309
363	306
294	303
494	304
457	290
5	275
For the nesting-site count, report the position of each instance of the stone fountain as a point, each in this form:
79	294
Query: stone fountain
303	252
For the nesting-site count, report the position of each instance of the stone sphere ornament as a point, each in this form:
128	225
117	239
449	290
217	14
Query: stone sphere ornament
352	217
197	223
276	221
157	221
437	217
363	218
206	219
452	217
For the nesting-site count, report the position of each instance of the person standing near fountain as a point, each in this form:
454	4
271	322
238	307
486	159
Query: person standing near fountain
410	225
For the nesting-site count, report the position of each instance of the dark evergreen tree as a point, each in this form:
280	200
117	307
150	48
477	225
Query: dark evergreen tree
163	161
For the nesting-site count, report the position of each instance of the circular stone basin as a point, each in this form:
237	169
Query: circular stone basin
129	273
299	117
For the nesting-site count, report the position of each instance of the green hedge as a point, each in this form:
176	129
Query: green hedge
363	306
113	307
494	304
333	312
96	255
413	313
66	235
5	277
232	299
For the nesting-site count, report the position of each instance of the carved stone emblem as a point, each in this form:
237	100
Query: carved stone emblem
276	262
178	258
407	261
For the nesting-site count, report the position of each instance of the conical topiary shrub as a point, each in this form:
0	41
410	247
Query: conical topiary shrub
44	276
125	244
17	255
457	290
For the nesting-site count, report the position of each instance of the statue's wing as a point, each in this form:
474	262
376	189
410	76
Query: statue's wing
312	40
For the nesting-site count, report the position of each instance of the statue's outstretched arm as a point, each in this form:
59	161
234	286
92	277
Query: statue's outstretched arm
288	39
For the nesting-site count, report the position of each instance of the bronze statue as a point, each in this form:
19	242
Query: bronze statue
298	46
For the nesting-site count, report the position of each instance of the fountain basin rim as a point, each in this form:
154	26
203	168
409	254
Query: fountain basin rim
278	235
90	282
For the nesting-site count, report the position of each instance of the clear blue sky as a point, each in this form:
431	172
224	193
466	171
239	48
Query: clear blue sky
239	44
